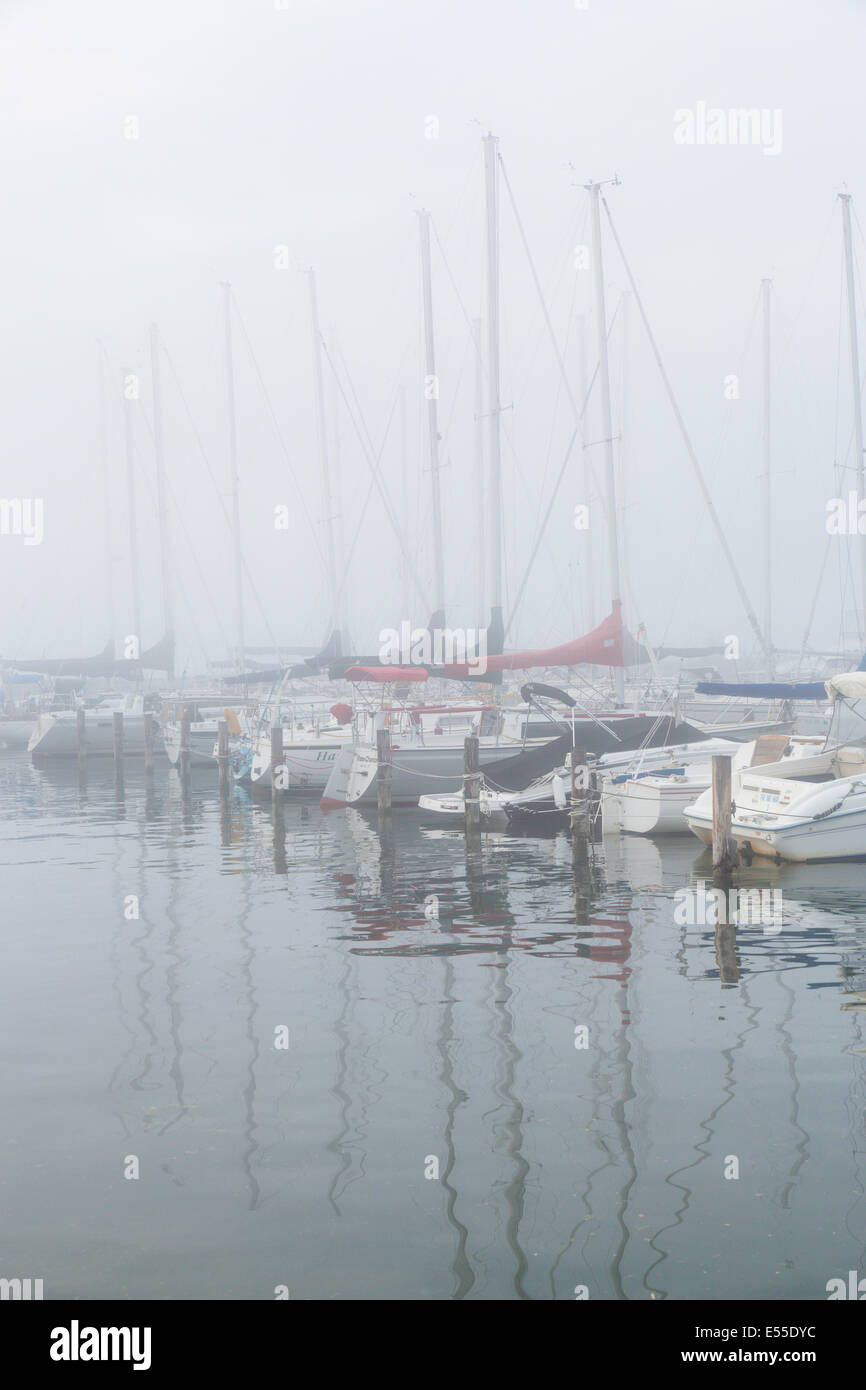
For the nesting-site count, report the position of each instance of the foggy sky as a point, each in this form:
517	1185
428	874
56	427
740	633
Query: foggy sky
307	128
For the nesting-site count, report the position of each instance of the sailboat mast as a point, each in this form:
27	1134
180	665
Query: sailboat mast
606	420
406	578
323	448
588	570
855	386
479	473
130	387
494	461
233	469
106	492
161	498
431	393
767	488
341	579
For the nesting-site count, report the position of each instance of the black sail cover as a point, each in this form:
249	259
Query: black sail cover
515	773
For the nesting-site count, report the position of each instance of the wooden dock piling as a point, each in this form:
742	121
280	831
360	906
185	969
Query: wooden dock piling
278	766
580	822
81	730
725	855
383	773
118	736
183	761
223	763
472	782
148	741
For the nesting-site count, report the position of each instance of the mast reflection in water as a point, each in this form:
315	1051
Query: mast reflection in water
504	1078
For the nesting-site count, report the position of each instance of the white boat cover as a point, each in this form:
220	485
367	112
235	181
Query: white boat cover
851	684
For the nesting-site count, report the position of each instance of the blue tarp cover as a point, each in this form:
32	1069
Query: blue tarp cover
770	690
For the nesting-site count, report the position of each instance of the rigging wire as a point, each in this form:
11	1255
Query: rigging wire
693	458
219	496
564	465
277	430
507	432
373	465
145	475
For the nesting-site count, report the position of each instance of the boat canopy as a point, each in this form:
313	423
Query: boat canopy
851	684
548	692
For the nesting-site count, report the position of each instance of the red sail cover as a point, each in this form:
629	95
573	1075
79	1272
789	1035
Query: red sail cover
601	647
383	674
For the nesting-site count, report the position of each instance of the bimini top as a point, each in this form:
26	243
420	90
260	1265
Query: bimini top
851	684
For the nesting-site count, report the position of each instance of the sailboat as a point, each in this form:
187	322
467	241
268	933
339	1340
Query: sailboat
312	737
56	735
425	758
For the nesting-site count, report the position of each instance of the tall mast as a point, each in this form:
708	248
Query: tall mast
431	393
589	572
323	449
855	386
767	488
161	499
622	452
406	578
341	579
479	473
233	469
494	462
106	493
129	387
606	421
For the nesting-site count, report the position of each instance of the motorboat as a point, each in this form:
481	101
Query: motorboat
801	809
780	816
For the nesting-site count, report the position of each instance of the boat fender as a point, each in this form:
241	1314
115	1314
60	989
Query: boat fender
559	793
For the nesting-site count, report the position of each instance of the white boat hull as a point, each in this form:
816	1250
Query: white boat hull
450	807
655	803
648	805
307	765
202	744
778	817
56	735
415	772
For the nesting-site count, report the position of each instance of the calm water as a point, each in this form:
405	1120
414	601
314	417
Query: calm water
413	1041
